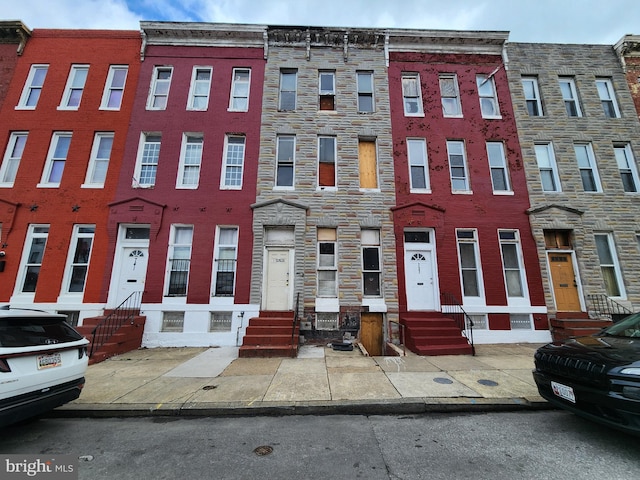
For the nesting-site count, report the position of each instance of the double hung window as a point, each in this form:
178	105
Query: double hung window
159	92
327	90
609	265
587	166
114	87
78	263
190	161
418	165
148	158
99	161
56	159
411	94
288	89
327	263
512	262
12	157
179	260
469	264
199	89
607	98
285	154
365	92
371	263
240	83
326	162
75	86
570	97
32	257
498	167
532	96
233	164
458	166
627	167
548	169
450	95
33	87
225	261
488	98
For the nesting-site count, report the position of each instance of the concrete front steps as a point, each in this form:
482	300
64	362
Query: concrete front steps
432	333
575	324
126	338
271	334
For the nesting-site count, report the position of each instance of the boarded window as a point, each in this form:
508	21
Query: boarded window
368	164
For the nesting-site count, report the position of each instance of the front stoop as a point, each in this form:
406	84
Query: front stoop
271	334
127	338
575	324
432	333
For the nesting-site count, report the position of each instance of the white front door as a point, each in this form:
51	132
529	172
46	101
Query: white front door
132	274
419	277
278	280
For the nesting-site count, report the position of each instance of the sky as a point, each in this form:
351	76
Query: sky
543	21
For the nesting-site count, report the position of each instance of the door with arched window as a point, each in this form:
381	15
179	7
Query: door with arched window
420	271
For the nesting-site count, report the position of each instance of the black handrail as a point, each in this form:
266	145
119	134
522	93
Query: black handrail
452	308
296	319
602	306
123	313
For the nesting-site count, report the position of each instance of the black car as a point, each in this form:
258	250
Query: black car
597	377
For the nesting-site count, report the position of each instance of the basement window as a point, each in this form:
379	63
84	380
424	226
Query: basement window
172	322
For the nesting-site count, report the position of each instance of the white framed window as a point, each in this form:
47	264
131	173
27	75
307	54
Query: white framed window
470	272
147	163
371	263
240	84
609	265
499	168
32	256
587	166
172	322
532	96
327	262
364	84
607	98
33	87
114	87
233	164
179	261
285	155
226	260
159	90
75	87
200	87
78	260
450	95
327	162
418	165
570	97
288	89
99	160
512	264
627	167
190	161
458	166
12	157
546	159
488	97
412	95
327	90
56	159
220	321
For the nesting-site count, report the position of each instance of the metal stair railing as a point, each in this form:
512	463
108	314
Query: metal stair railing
603	306
296	319
123	313
453	309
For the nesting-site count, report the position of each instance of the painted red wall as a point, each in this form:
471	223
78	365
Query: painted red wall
481	210
60	49
207	206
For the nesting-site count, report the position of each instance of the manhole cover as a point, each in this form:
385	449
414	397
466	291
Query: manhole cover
209	387
442	380
487	383
263	450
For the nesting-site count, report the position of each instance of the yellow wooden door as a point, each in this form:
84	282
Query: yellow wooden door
371	332
565	287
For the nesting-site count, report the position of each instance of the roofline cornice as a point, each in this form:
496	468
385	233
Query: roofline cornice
14	32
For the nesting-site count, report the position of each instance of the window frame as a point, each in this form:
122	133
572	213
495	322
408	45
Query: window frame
573	100
74	260
363	94
110	88
465	167
227	166
326	97
27	260
592	167
630	170
454	99
52	162
147	139
156	88
195	86
502	167
218	258
282	163
235	92
552	168
535	102
488	98
72	88
406	96
11	162
422	163
175	269
190	138
30	87
511	237
613	266
614	110
321	175
373	273
95	162
469	236
282	90
327	236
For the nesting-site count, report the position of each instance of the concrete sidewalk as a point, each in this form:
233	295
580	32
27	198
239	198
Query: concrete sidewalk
214	381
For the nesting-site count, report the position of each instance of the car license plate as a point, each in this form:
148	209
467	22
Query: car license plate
49	361
563	391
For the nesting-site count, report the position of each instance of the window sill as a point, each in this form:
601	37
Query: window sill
420	190
504	193
92	185
462	192
48	185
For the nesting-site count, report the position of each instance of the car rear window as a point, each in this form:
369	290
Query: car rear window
34	331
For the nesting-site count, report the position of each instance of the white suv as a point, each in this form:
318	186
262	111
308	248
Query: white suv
43	361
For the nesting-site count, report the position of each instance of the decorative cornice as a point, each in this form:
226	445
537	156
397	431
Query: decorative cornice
14	32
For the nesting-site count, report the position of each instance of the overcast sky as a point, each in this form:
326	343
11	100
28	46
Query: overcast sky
548	21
